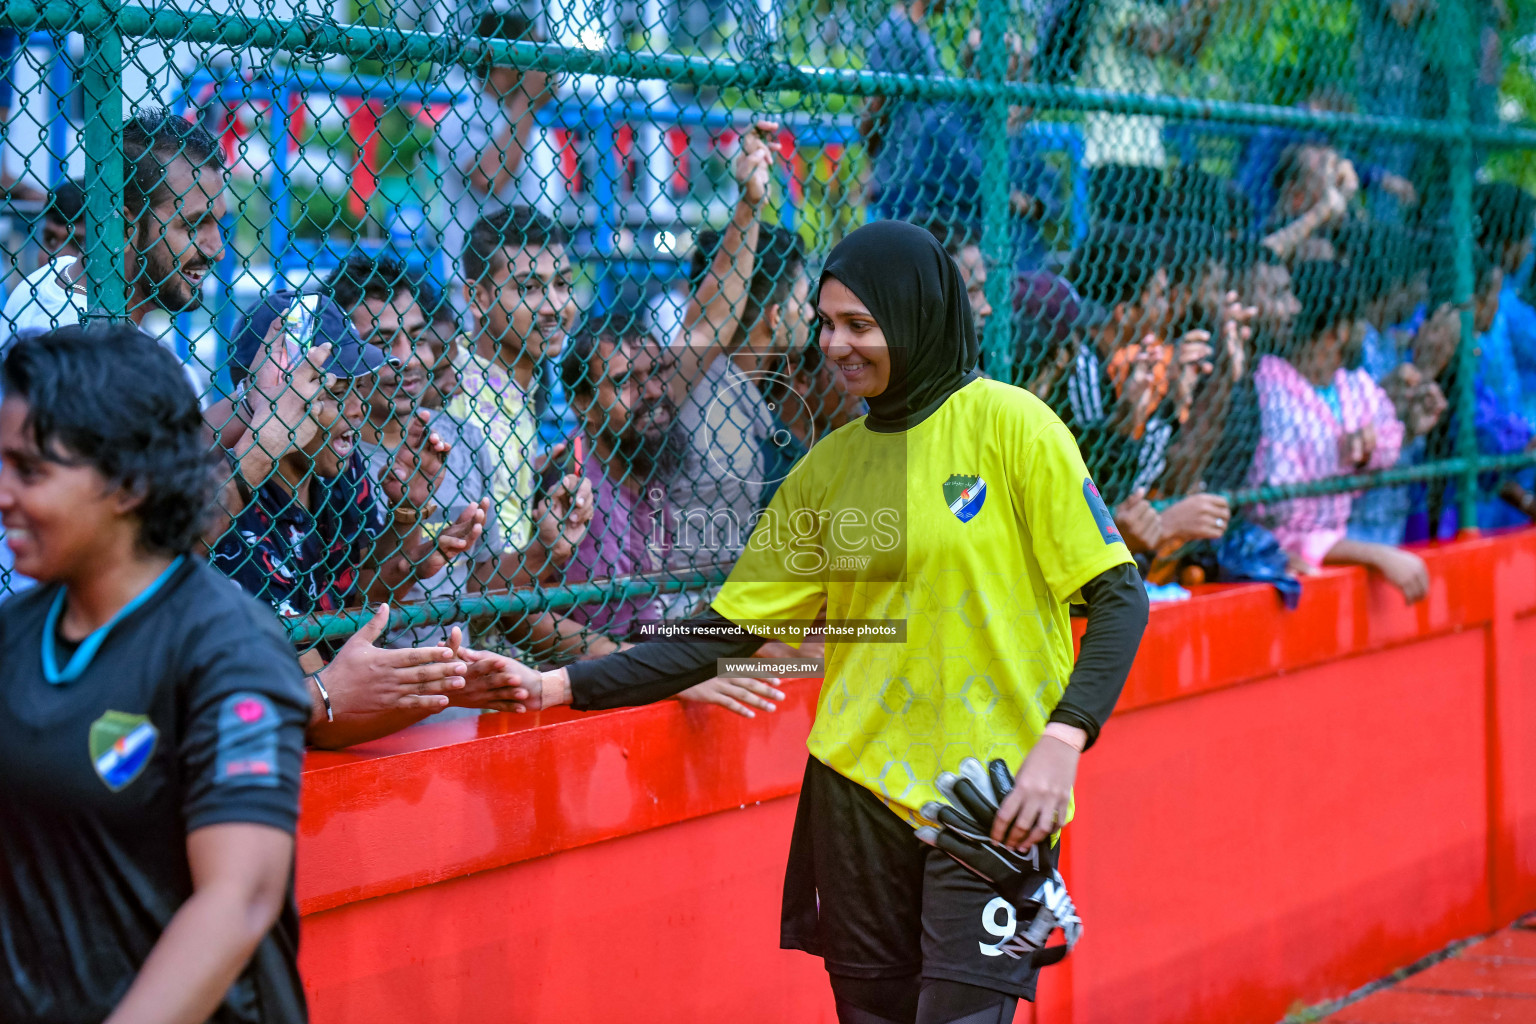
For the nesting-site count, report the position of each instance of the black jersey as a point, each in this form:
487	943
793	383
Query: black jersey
191	713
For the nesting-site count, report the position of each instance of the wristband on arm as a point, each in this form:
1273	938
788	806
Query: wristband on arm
325	697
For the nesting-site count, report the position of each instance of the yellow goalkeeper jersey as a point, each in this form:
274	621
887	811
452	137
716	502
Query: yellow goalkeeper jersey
975	528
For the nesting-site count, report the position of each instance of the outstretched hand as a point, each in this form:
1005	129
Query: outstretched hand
563	518
492	681
429	555
365	679
737	694
417	467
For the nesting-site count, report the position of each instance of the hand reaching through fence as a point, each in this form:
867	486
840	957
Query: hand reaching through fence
562	521
417	468
491	681
1197	517
367	691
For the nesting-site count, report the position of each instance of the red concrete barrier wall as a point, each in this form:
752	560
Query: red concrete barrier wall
1287	805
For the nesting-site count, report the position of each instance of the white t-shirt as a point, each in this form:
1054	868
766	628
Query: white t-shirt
46	299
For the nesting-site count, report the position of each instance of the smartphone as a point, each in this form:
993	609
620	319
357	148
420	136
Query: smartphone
301	321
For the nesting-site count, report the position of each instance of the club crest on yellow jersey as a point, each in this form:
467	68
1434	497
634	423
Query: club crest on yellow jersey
965	495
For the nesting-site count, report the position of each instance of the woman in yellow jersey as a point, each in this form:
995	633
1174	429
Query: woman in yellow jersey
958	521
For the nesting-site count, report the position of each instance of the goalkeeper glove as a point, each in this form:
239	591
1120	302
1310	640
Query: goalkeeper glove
1029	879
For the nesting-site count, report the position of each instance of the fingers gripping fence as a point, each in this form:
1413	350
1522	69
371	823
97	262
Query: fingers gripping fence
1269	253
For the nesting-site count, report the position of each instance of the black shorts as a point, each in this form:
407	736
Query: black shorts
865	895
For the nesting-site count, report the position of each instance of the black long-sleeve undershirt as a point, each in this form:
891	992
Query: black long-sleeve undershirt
662	668
1117	616
656	669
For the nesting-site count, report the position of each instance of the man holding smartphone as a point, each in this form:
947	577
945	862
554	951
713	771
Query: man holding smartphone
310	533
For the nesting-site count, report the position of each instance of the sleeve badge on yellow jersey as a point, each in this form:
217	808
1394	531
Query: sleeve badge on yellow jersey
1101	516
964	495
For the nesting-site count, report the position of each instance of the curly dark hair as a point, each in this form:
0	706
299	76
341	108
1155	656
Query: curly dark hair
152	142
115	400
513	227
361	276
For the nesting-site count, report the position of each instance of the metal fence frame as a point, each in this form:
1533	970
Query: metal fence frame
105	24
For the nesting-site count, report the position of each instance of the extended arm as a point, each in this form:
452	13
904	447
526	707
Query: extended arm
715	309
645	673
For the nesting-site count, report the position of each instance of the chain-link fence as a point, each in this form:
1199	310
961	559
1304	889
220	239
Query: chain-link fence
1254	254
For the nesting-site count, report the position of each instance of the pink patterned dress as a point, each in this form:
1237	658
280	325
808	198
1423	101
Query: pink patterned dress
1299	443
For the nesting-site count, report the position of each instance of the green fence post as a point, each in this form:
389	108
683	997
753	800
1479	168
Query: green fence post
992	62
102	85
1455	45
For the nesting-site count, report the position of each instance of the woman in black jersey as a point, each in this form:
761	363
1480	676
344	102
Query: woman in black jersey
959	510
151	714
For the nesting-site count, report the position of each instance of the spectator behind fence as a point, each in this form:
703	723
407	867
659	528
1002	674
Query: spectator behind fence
1051	321
775	316
776	321
1264	148
309	530
1381	258
962	245
1207	270
632	440
1129	389
1392	69
520	280
714	496
921	148
173	200
63	234
1314	186
442	328
483	141
450	479
1121	270
716	492
1321	420
450	473
808	401
1503	427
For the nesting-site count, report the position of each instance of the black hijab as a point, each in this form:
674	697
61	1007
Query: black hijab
914	291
